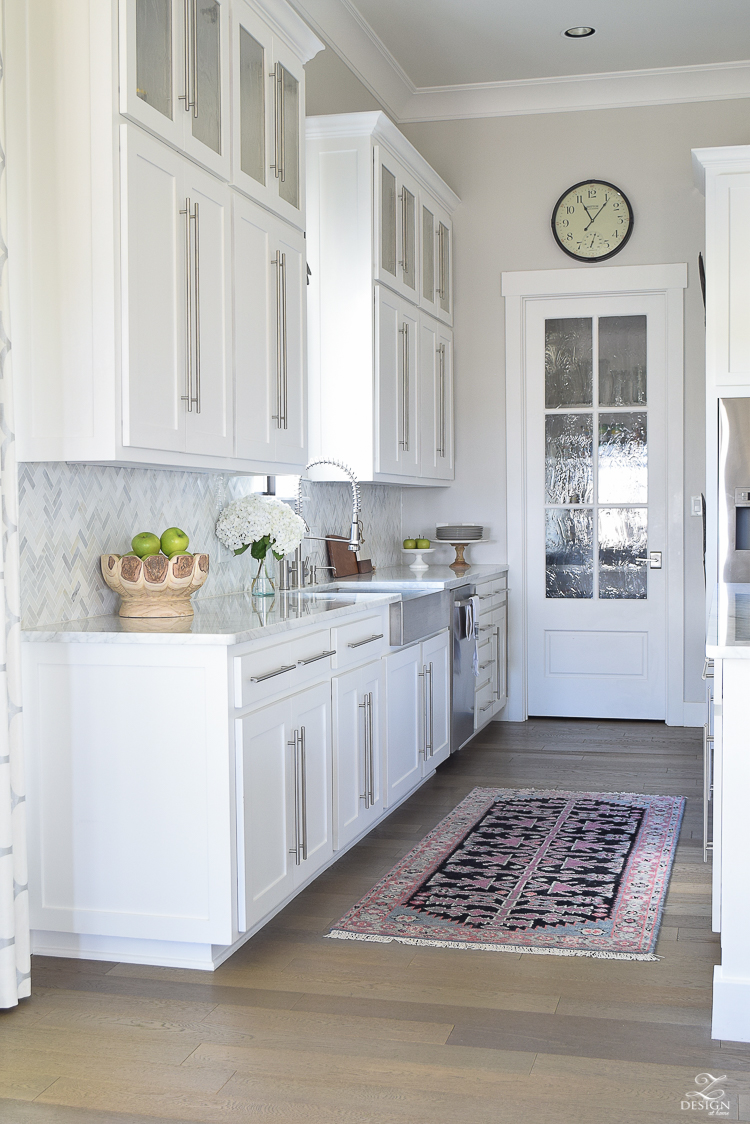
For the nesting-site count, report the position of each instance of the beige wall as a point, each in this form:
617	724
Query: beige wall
508	172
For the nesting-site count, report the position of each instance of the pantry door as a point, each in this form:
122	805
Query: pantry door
596	470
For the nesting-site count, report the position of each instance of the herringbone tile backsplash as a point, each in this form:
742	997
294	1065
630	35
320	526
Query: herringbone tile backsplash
71	514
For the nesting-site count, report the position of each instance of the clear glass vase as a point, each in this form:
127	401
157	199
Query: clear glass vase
263	584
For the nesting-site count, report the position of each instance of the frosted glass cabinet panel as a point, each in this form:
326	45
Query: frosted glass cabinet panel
174	75
268	116
436	233
398	227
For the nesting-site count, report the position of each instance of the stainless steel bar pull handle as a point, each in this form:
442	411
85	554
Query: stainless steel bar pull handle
708	745
278	122
197	255
368	640
187	56
404	260
497	657
303	773
295	850
314	659
270	674
371	739
366	753
708	669
441	262
280	417
194	31
404	331
431	743
188	396
441	403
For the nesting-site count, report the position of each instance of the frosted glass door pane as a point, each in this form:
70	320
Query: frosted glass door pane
622	360
623	458
409	262
623	539
569	455
568	364
252	107
388	221
207	124
428	255
569	552
444	242
153	53
289	182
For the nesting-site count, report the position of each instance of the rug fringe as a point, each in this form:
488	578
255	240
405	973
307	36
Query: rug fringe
342	935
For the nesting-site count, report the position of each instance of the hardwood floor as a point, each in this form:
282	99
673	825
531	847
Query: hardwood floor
299	1028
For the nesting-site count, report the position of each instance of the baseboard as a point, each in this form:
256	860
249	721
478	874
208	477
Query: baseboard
693	714
731	1008
123	950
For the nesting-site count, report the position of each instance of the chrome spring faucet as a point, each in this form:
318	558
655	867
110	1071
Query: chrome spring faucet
294	575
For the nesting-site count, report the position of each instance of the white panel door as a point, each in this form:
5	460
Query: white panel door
310	724
357	757
404	735
209	428
396	332
265	812
154	293
254	330
291	311
435	394
436	675
596	507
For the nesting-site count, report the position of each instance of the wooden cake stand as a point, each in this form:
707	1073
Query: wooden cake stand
459	564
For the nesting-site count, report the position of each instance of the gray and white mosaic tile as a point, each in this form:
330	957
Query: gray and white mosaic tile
70	514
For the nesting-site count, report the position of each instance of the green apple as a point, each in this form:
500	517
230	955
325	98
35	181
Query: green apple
423	544
410	544
145	543
174	540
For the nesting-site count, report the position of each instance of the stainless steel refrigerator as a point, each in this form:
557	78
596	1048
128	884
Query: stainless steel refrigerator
734	490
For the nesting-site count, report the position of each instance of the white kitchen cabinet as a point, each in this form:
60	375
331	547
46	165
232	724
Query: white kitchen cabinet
357	752
174	75
176	284
372	392
436	259
124	312
435	391
397	372
417	705
491	685
269	354
268	98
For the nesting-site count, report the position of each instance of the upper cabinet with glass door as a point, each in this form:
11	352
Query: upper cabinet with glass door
269	48
397	257
436	249
174	75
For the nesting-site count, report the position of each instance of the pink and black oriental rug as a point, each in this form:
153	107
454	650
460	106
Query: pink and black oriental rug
529	870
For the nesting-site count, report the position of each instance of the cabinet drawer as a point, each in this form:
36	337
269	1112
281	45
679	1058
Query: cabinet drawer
483	704
281	667
362	639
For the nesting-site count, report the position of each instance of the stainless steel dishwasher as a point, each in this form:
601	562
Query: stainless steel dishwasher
464	608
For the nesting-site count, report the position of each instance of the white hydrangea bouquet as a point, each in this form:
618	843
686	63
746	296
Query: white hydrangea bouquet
261	523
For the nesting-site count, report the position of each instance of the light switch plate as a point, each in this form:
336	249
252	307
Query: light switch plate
696	505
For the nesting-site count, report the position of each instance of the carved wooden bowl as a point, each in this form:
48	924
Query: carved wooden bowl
155	587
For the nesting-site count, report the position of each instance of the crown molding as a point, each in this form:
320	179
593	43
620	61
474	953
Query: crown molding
344	29
719	161
383	131
294	31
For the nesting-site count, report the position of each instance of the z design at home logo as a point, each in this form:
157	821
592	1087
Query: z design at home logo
708	1097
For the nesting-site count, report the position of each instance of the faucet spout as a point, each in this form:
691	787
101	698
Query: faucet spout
356	537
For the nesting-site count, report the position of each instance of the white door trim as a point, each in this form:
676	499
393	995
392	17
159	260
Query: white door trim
518	290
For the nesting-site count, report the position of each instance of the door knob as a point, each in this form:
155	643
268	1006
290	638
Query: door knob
653	559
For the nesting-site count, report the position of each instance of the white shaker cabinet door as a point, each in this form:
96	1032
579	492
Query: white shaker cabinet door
210	427
265	813
154	293
269	311
396	344
396	226
357	755
404	735
436	670
310	725
174	75
435	399
435	232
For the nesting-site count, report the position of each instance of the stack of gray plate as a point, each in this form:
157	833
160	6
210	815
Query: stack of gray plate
459	532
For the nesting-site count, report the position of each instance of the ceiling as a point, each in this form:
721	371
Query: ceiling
424	59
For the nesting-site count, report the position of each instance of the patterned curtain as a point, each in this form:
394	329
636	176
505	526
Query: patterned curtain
15	972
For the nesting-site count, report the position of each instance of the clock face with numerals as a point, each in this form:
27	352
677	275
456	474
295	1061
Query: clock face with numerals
592	220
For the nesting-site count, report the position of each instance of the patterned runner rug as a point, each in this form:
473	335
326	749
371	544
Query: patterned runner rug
530	870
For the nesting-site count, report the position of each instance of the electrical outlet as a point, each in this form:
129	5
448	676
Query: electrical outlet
696	505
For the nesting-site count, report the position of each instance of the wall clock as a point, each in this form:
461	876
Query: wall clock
592	220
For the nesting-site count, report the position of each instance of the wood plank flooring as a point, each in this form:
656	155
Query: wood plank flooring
299	1028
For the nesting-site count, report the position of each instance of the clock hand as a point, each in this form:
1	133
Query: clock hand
604	204
588	212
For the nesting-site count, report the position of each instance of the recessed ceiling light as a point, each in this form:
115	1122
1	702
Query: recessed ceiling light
579	32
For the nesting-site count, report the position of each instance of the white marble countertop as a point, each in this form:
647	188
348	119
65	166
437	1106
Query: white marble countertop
436	577
728	635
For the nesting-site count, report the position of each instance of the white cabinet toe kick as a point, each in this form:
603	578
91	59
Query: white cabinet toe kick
179	796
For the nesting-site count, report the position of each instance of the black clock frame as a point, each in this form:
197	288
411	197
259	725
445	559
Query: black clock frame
604	257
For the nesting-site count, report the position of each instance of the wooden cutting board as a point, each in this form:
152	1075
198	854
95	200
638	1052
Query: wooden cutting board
343	560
